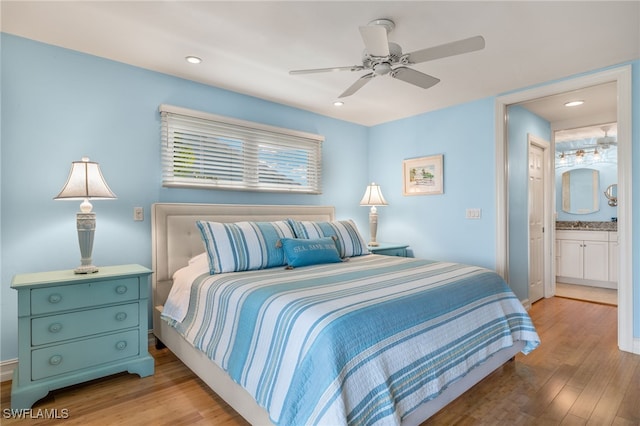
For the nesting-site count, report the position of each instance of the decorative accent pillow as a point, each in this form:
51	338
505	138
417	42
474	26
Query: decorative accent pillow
243	246
348	239
304	252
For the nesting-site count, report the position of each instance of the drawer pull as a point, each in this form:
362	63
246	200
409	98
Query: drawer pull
55	327
55	360
121	289
121	316
121	345
55	298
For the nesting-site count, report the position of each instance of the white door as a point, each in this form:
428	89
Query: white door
536	222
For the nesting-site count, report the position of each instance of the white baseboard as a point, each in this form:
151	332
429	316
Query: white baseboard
7	367
636	345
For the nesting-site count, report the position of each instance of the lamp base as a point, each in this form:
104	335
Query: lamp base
373	244
86	269
86	224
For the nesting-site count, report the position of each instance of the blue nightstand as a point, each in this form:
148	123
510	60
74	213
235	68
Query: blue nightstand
390	249
73	328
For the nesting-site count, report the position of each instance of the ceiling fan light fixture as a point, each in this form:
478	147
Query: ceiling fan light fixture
573	103
338	103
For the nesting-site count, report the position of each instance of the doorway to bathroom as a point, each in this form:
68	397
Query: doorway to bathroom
512	259
586	175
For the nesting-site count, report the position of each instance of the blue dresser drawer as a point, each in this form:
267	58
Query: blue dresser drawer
57	328
75	356
62	298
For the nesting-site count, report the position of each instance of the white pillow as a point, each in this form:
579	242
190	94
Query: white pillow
202	257
177	302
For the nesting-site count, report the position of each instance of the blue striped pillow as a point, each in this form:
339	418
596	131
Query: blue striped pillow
244	246
348	239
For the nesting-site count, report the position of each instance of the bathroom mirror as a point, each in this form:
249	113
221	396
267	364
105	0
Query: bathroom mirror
612	194
581	191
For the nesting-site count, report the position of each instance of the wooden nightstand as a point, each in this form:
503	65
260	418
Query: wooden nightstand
73	328
390	249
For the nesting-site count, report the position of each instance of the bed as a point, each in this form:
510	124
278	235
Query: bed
177	241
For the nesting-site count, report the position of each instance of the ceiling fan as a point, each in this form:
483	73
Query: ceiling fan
381	55
606	141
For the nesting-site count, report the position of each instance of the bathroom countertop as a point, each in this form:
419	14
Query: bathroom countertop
578	225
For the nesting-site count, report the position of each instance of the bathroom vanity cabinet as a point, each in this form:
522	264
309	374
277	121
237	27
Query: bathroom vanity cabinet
587	257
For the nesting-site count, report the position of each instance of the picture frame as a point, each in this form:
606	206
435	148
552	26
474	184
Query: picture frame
423	176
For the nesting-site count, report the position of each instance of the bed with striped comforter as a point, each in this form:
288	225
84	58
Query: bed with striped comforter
359	342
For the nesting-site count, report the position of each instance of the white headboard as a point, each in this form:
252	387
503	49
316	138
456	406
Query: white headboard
175	237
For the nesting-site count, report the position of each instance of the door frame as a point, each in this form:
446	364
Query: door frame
548	235
622	77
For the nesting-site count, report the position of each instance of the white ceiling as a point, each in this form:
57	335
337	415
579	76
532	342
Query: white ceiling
581	122
249	47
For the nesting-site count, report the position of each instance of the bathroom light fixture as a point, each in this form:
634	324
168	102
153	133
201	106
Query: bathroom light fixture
373	197
85	182
563	159
573	103
193	59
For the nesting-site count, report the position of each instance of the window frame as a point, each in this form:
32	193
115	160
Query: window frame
260	157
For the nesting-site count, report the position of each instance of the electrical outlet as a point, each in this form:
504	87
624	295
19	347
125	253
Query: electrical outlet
138	214
473	213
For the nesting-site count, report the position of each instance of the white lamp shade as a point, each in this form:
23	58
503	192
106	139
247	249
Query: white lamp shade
85	181
373	196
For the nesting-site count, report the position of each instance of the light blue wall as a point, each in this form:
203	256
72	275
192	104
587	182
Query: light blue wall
59	105
521	123
435	225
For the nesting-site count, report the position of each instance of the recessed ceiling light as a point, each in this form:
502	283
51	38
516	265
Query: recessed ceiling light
338	103
573	103
193	59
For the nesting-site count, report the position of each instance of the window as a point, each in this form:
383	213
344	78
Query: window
201	150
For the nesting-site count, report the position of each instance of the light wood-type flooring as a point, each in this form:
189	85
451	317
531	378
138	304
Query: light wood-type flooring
607	296
577	376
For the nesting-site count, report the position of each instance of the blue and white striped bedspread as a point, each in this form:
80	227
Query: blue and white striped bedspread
361	342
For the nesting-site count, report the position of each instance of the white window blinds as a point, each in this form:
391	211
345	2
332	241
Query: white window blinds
201	150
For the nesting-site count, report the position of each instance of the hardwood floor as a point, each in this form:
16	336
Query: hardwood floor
576	377
607	296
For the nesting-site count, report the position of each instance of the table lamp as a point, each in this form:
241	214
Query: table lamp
85	182
373	197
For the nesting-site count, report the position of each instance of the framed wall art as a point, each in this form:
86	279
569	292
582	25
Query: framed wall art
423	176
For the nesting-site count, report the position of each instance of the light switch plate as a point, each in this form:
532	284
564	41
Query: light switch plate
473	213
138	214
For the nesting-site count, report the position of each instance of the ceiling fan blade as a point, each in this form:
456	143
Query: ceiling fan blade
375	40
414	77
448	49
311	71
357	85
